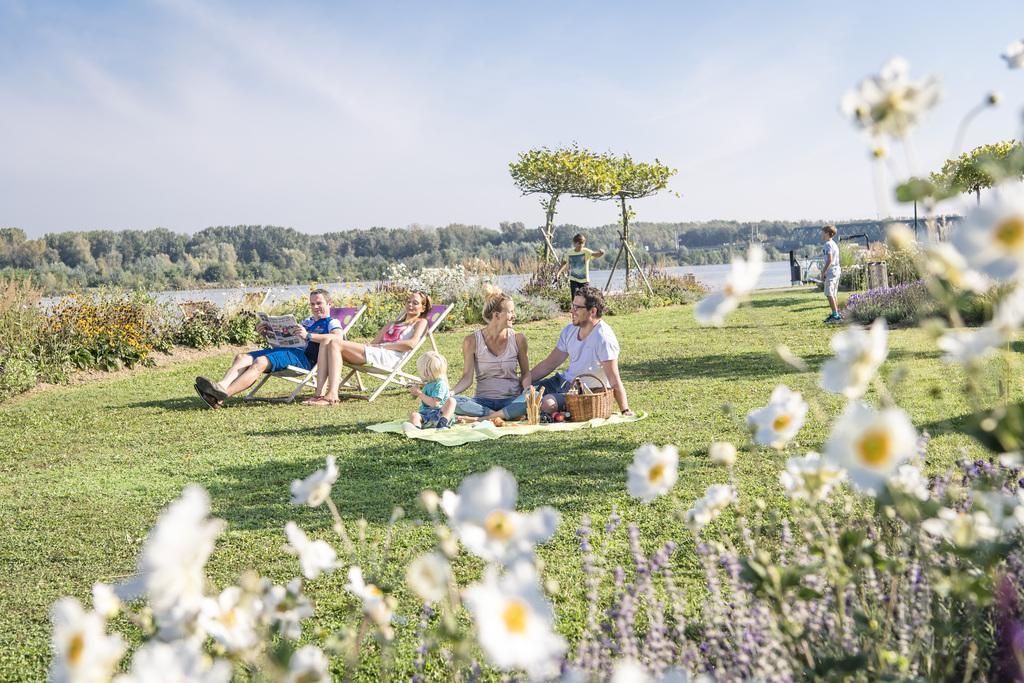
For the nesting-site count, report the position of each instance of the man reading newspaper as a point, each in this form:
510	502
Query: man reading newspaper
291	344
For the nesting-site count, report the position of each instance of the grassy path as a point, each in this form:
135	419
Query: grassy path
84	470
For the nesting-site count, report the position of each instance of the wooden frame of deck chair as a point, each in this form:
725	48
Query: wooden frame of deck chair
347	316
397	376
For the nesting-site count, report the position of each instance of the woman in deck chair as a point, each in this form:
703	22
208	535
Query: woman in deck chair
497	356
384	352
317	329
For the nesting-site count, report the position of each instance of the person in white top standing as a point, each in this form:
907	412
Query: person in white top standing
830	271
590	346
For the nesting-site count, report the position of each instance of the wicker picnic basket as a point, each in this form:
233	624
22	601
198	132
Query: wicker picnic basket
585	407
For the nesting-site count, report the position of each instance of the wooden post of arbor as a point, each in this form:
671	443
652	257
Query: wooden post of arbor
626	250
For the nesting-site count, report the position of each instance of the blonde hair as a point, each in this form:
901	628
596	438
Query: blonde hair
431	366
830	230
494	301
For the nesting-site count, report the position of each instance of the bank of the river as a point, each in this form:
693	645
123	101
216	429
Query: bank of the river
776	274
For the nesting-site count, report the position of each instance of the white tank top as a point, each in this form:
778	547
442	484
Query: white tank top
497	376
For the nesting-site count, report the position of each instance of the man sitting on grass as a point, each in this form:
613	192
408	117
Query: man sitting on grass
248	367
591	347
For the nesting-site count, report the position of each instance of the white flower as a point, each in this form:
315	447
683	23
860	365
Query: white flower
859	354
158	662
104	601
631	671
909	481
969	347
314	489
231	619
889	103
654	471
375	604
82	651
871	444
1014	54
515	623
172	566
778	422
722	453
962	529
943	261
308	665
810	478
314	556
1009	314
740	281
285	608
486	520
1004	509
429	576
991	237
716	499
449	503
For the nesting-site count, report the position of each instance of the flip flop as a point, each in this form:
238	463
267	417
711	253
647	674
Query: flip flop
210	401
207	387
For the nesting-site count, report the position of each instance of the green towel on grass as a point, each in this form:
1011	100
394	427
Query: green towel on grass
482	431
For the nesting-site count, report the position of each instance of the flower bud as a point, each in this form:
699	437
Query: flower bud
430	500
722	453
899	236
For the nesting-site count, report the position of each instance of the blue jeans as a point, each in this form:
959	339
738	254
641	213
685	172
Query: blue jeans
555	386
479	407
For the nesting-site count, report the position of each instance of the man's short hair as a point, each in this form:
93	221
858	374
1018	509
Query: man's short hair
830	230
592	298
322	292
578	238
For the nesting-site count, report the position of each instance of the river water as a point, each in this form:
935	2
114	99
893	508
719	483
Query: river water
776	274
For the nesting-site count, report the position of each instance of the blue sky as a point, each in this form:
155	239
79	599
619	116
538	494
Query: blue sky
327	116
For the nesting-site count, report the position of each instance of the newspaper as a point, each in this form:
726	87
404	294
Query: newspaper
282	331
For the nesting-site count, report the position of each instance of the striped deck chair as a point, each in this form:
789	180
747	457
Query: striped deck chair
396	376
307	378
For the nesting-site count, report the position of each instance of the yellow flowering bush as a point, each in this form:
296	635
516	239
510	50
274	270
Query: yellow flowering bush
107	331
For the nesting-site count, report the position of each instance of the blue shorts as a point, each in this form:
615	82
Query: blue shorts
430	416
282	358
480	407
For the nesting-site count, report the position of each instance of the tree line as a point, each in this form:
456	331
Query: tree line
254	254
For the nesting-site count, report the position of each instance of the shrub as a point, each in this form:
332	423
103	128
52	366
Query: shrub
900	304
542	283
675	289
241	328
201	327
106	330
530	308
27	354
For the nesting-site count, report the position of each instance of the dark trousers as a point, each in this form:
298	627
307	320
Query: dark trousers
575	287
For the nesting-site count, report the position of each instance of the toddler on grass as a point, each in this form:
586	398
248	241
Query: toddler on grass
437	405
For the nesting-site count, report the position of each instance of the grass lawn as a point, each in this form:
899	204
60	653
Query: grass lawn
86	469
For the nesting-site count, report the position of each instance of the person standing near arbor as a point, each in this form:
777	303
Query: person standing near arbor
577	262
830	271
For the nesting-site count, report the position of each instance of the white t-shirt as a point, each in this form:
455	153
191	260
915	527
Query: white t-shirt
587	355
831	248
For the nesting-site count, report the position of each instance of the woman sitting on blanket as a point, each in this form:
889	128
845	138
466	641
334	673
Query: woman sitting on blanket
384	352
316	330
497	356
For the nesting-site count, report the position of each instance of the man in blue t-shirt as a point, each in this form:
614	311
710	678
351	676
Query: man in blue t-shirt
248	367
830	271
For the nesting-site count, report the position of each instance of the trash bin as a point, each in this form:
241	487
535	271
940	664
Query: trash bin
878	275
794	270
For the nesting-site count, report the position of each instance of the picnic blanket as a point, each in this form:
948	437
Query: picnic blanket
482	431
